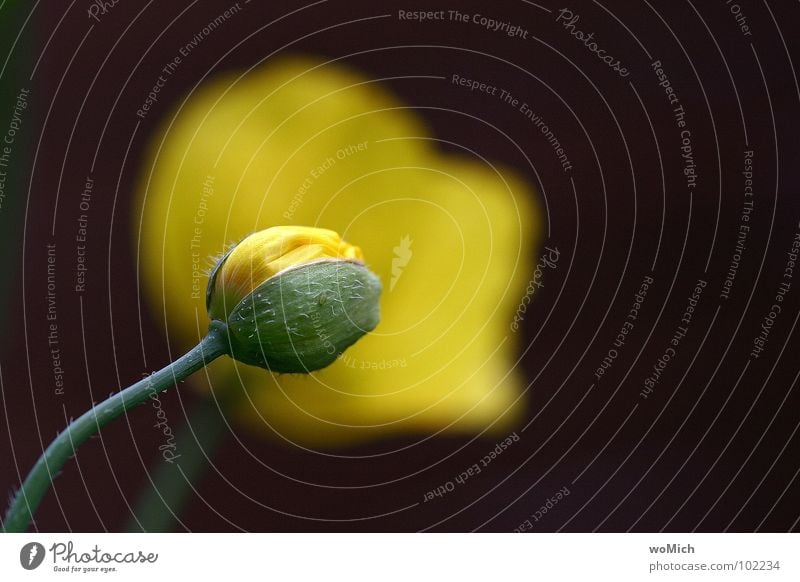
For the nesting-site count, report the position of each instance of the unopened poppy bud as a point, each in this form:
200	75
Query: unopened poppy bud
293	298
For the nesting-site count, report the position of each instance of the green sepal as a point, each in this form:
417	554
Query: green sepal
302	319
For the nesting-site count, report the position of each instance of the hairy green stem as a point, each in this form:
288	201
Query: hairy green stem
27	500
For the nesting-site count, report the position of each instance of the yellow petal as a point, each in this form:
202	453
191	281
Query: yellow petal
265	253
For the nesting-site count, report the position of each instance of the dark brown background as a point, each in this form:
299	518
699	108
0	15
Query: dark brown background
744	471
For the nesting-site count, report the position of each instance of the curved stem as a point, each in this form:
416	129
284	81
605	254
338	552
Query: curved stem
27	500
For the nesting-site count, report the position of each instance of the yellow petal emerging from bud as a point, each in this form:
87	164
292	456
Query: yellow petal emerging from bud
264	254
293	298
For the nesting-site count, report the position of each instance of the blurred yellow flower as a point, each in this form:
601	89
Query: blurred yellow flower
451	237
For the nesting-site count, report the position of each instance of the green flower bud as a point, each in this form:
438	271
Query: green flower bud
293	298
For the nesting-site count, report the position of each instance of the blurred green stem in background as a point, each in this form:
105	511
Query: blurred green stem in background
173	480
15	42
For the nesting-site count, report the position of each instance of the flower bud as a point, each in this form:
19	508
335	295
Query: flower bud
293	298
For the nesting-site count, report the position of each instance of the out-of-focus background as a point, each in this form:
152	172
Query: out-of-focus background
654	363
